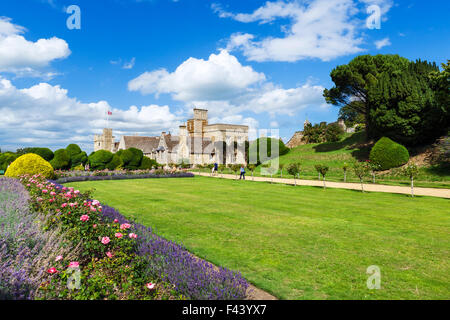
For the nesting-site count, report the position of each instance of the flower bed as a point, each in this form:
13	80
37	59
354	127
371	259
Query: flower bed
26	249
110	257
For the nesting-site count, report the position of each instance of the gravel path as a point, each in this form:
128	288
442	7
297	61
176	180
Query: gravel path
431	192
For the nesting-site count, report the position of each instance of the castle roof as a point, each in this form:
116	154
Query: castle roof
146	144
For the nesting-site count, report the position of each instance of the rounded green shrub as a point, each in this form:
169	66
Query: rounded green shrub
147	163
79	159
114	163
31	164
73	149
61	160
99	159
126	156
6	159
388	154
45	153
136	159
261	143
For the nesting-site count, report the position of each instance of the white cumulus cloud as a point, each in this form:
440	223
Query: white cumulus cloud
45	115
220	77
19	55
382	43
323	29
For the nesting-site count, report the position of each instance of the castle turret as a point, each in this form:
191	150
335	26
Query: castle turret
104	141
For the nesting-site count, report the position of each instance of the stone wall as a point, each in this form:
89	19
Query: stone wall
296	140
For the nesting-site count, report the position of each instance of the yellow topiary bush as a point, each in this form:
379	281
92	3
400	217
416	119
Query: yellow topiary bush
31	164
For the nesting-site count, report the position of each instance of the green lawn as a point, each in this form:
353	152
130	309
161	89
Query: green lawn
298	242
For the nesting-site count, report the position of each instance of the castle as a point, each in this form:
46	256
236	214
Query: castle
197	143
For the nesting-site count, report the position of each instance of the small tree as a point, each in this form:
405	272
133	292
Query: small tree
318	167
271	171
210	166
294	170
235	168
361	171
373	168
252	168
345	168
281	169
221	169
411	170
323	171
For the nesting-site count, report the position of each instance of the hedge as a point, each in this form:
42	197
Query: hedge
388	154
61	160
99	159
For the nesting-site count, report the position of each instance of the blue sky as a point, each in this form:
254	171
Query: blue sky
248	62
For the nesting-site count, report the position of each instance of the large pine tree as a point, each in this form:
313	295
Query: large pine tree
396	97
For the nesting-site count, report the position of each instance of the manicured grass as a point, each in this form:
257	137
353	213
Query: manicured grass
298	242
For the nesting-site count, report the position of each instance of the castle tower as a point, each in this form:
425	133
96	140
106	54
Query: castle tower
195	126
104	141
306	123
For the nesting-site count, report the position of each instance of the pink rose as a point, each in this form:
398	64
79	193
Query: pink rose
84	218
125	226
118	235
105	240
115	220
64	205
44	191
150	286
95	226
109	254
52	270
93	209
58	258
74	264
132	235
53	193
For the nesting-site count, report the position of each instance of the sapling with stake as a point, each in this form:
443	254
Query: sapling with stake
317	167
411	170
252	168
345	167
323	171
361	171
294	169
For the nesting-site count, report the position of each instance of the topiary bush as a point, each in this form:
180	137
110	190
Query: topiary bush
135	160
61	160
45	153
73	149
254	153
79	159
114	163
147	163
31	164
388	154
99	159
76	155
6	159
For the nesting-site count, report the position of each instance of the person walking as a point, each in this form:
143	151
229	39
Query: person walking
216	168
242	173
